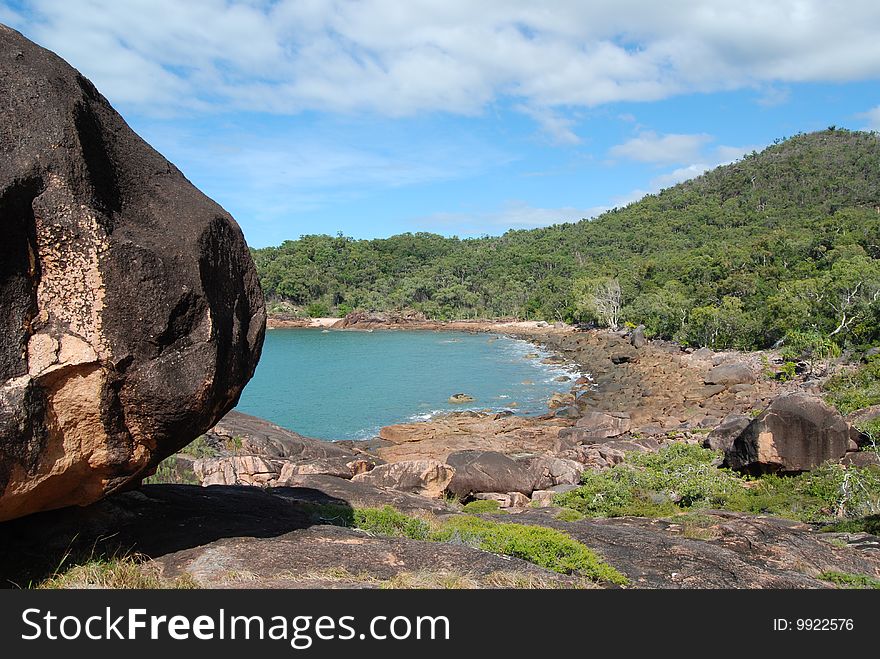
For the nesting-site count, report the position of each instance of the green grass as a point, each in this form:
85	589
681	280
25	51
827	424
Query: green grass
547	548
390	522
654	484
846	580
684	477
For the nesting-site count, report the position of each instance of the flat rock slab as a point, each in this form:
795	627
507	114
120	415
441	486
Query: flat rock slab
327	489
744	551
162	519
332	556
465	431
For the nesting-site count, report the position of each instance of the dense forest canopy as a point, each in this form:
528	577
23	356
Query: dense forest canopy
785	241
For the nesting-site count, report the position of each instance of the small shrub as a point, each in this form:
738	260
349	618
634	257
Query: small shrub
482	506
390	522
542	546
683	477
200	448
870	524
846	580
654	484
317	310
787	372
855	388
171	471
569	515
813	347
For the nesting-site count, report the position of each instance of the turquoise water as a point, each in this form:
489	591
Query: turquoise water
347	385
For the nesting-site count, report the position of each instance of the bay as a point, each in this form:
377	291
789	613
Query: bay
348	384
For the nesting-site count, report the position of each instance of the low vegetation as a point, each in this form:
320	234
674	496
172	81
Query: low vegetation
845	580
130	571
482	506
855	388
684	477
547	548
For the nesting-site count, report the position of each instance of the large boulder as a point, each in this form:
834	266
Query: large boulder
548	471
132	315
796	432
488	471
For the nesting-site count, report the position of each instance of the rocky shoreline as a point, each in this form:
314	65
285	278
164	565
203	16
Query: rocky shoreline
639	399
634	399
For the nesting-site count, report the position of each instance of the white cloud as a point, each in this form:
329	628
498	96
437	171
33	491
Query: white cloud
266	174
558	128
10	17
678	175
400	58
719	156
872	117
648	146
774	96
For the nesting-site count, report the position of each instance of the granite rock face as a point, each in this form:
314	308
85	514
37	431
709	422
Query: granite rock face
132	316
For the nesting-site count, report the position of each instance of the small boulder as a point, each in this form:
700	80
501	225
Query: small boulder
638	338
558	400
602	425
730	374
458	399
235	470
547	471
861	459
505	500
428	478
569	412
796	432
341	468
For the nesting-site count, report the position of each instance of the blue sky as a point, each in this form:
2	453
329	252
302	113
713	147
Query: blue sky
375	117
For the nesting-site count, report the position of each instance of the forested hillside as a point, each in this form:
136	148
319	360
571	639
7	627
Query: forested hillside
786	240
